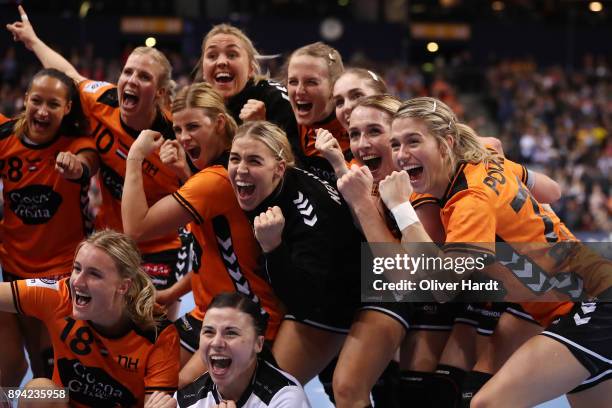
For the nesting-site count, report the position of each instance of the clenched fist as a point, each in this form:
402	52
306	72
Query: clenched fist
253	110
395	189
269	228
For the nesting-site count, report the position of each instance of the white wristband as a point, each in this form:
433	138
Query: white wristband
404	215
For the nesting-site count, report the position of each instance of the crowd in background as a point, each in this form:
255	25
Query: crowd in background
551	119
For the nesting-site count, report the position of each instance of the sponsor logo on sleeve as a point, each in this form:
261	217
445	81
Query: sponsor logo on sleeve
43	283
93	86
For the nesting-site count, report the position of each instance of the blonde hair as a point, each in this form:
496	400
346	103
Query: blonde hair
331	56
271	135
250	49
164	80
369	78
140	297
441	122
202	95
384	102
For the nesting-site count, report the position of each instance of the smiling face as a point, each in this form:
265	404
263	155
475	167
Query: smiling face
226	64
46	104
97	289
254	171
202	138
138	90
369	133
416	151
309	88
229	345
348	89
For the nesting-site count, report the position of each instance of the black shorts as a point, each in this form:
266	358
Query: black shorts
587	332
484	316
401	312
332	323
334	311
189	329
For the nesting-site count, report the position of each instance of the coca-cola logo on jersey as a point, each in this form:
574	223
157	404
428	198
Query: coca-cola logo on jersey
92	386
35	204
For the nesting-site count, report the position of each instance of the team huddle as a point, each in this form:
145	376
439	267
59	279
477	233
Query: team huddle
257	196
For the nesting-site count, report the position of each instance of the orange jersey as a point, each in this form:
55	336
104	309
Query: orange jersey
45	215
230	252
519	170
308	136
490	203
98	370
113	140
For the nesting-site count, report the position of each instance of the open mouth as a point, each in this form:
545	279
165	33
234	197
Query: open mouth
224	77
129	99
245	190
81	299
40	125
219	364
414	171
373	162
304	107
193	152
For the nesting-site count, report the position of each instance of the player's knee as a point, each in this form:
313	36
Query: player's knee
347	390
482	399
41	383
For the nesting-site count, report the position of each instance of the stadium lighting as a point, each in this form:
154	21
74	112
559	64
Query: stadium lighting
498	5
432	46
595	6
150	42
84	9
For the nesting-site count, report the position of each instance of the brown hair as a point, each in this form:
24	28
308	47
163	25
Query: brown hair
74	123
140	297
164	81
441	121
201	95
250	49
271	135
331	56
383	102
371	79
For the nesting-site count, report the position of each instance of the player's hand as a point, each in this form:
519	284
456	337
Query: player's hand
160	400
395	189
23	30
356	184
329	148
147	142
269	228
69	165
165	296
172	155
253	110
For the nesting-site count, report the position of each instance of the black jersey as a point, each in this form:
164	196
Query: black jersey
278	109
316	269
270	388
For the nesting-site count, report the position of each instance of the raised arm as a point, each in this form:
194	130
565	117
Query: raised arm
24	32
543	188
140	221
356	187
